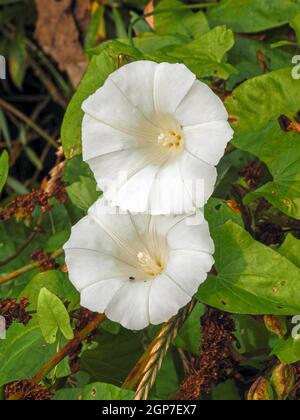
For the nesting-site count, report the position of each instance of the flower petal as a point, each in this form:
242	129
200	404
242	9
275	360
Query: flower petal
198	263
113	170
136	81
97	296
99	230
200	106
169	194
100	139
87	234
130	305
111	107
110	235
172	82
199	177
166	299
87	267
185	237
208	141
134	194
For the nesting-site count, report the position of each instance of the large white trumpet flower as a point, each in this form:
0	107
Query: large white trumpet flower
137	269
153	135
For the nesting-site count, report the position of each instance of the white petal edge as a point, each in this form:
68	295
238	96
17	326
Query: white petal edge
172	82
185	237
189	269
130	305
166	299
199	178
100	139
169	194
208	141
136	81
97	296
111	107
88	267
201	105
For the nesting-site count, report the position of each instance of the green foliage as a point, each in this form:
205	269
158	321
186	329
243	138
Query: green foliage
261	99
205	54
252	278
53	317
99	69
168	381
253	15
56	283
253	58
287	351
226	392
291	249
17	58
284	191
256	271
3	169
113	358
94	392
102	392
295	24
217	213
183	22
23	352
189	337
83	193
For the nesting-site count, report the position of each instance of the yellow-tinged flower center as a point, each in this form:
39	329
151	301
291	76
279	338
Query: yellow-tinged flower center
151	266
170	139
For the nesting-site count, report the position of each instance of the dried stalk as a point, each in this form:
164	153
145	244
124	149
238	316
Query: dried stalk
64	352
26	268
145	372
67	349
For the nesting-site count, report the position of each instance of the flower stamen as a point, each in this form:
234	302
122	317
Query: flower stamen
150	265
170	139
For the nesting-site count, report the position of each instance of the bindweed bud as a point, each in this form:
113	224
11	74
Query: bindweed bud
261	390
283	380
276	325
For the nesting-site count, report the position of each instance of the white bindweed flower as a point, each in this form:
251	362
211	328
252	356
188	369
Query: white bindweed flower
137	269
153	135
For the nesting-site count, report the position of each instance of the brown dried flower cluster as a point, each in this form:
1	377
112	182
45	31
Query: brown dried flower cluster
83	317
23	206
44	260
25	390
296	389
252	174
218	360
269	233
12	311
